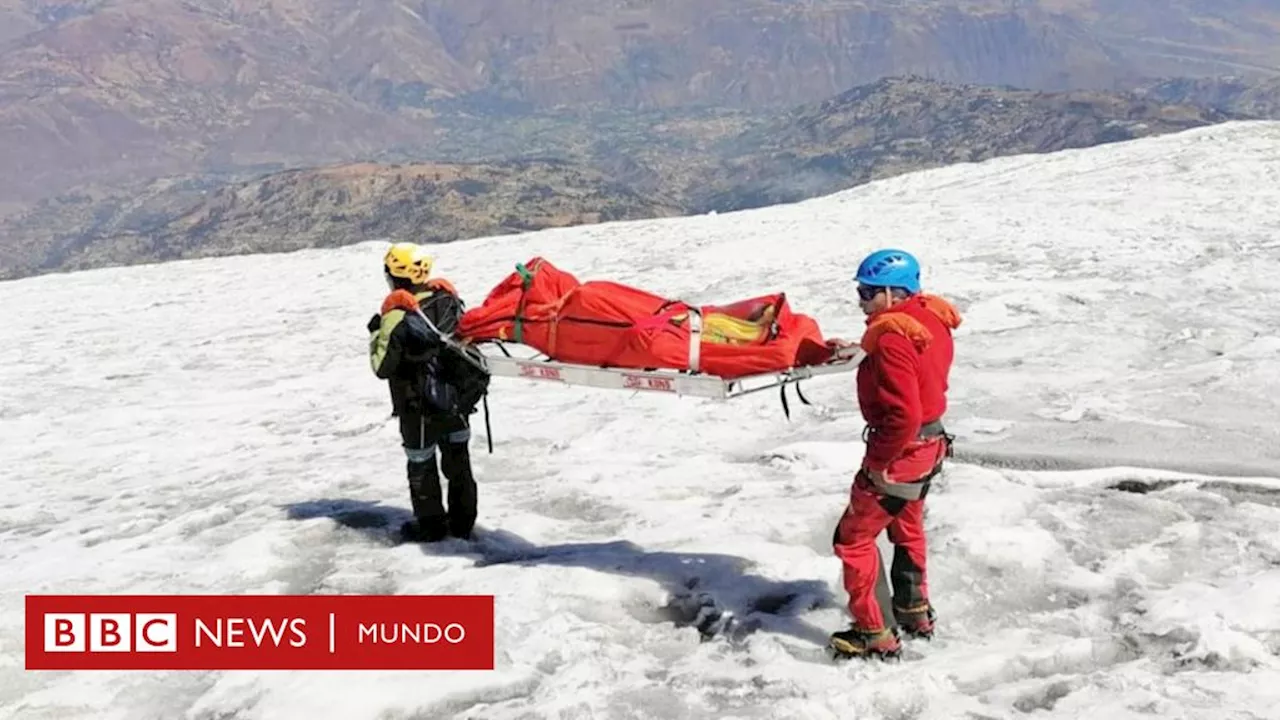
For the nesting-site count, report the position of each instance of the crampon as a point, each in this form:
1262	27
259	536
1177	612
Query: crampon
861	644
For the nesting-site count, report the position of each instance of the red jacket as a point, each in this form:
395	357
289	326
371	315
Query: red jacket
902	384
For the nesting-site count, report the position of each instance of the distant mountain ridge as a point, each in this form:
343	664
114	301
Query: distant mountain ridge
639	169
112	91
337	205
900	125
1254	99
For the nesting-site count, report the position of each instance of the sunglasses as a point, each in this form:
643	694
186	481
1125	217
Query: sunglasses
867	293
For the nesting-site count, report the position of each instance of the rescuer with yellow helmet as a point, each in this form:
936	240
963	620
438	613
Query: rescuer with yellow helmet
433	391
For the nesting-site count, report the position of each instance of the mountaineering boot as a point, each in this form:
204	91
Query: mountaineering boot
419	531
428	523
859	643
916	622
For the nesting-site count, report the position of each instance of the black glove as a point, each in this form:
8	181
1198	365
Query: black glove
375	322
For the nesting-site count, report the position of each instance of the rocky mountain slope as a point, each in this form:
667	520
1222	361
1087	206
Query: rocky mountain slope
634	166
112	91
900	125
1257	99
336	205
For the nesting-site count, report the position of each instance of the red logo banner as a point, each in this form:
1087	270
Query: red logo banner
259	632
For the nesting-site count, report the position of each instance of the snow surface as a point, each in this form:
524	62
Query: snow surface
213	426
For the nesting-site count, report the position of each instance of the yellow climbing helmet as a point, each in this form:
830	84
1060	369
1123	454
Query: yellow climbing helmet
408	261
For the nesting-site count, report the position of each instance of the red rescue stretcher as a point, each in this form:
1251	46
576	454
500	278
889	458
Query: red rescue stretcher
604	334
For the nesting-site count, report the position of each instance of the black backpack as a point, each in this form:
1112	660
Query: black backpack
456	381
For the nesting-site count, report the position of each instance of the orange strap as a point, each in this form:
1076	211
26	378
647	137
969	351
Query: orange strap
554	312
441	284
945	311
900	324
909	327
402	299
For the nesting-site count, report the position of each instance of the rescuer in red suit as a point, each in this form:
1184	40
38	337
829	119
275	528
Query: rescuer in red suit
902	386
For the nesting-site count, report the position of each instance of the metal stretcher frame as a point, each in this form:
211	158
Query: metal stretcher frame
669	381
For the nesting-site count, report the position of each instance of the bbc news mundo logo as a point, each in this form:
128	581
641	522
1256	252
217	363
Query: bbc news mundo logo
110	632
259	632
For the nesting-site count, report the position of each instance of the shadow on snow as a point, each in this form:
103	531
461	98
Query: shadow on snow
712	592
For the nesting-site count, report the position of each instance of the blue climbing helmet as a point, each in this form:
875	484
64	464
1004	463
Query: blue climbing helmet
890	268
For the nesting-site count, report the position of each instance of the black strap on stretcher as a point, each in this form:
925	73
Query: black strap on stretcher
782	393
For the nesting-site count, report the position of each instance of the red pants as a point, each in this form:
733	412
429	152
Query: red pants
867	515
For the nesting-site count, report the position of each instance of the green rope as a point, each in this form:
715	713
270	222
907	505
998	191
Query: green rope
526	277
